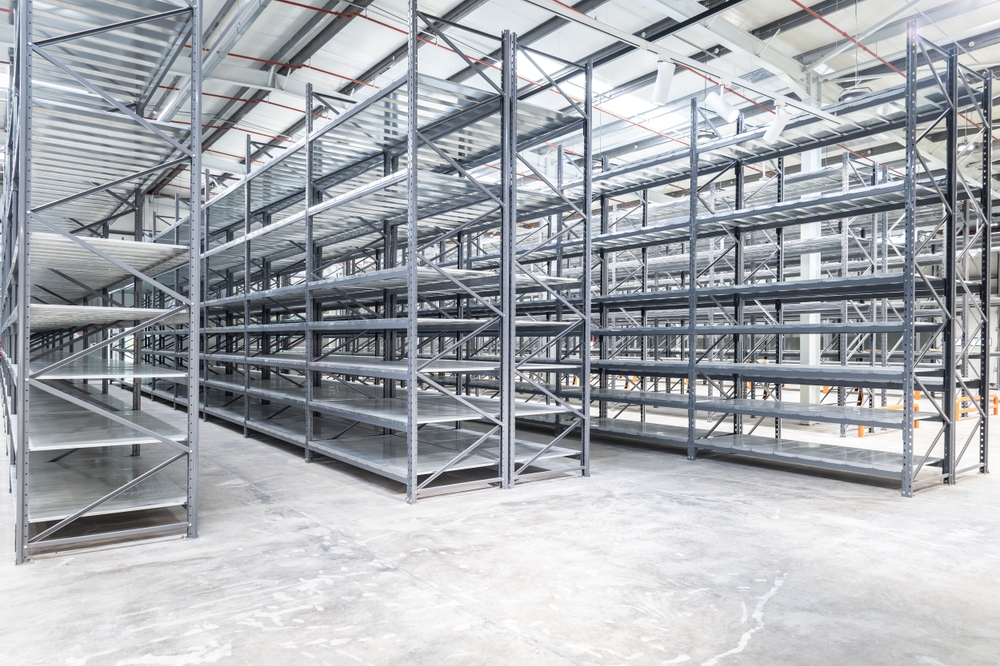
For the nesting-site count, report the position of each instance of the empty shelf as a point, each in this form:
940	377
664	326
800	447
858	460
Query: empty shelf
60	265
57	490
654	433
433	408
650	398
53	317
827	413
95	367
828	375
847	458
387	454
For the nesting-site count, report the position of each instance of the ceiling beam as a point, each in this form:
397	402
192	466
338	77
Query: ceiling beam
302	55
897	27
234	31
462	10
800	18
540	31
753	52
676	57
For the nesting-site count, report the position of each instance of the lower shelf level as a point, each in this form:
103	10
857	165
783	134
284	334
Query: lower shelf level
371	448
57	490
832	456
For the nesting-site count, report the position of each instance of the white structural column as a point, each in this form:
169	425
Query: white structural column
809	344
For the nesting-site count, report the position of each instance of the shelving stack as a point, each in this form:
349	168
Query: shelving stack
87	464
366	294
867	280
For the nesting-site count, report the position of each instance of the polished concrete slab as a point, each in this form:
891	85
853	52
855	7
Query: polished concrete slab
652	560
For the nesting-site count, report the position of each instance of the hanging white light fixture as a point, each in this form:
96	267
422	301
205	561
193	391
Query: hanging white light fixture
664	77
720	106
774	130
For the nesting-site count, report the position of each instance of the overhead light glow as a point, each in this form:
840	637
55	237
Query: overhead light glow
854	93
781	118
664	77
721	107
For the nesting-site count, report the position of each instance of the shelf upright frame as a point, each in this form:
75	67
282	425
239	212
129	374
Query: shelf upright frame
577	223
23	298
194	267
26	209
508	241
985	228
412	218
692	331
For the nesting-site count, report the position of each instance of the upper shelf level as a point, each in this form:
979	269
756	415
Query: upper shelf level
63	271
361	147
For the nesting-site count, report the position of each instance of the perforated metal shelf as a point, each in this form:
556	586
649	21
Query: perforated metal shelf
60	489
846	458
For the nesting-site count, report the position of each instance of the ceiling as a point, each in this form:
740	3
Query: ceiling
810	50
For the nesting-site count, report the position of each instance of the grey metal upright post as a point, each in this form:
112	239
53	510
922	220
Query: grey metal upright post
194	275
137	300
950	254
310	268
779	309
739	269
412	182
644	313
588	195
909	230
692	335
604	321
247	267
508	244
842	343
24	56
986	272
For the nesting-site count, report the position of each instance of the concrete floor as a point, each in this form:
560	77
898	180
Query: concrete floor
653	560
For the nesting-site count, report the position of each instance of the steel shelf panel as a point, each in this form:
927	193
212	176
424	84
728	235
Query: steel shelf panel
292	391
435	408
770	328
648	432
52	252
860	287
95	367
364	287
290	425
387	454
50	317
825	375
81	429
370	366
831	456
350	400
882	111
811	208
637	397
75	142
73	427
348	151
426	325
59	489
824	413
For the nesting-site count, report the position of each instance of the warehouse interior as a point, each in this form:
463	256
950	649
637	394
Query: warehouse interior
499	331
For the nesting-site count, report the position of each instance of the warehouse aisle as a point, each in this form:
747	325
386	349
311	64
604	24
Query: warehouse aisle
653	560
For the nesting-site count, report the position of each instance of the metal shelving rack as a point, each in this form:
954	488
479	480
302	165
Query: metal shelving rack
349	307
86	466
701	301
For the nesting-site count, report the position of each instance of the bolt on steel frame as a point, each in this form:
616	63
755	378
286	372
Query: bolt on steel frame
370	293
892	275
86	466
